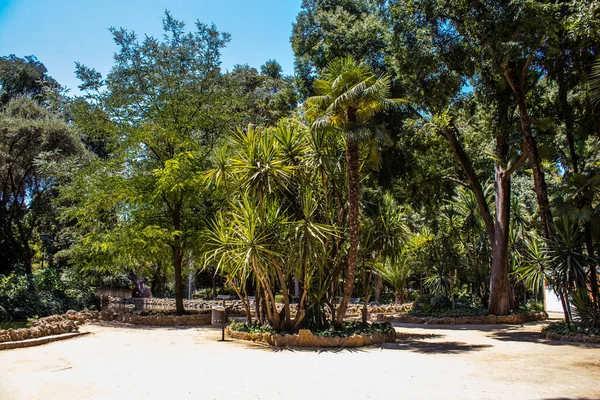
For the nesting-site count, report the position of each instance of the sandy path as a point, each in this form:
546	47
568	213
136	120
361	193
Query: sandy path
483	362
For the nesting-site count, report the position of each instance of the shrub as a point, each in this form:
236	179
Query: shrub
563	328
439	303
44	293
531	307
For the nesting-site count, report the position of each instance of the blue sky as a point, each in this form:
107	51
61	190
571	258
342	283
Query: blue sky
61	32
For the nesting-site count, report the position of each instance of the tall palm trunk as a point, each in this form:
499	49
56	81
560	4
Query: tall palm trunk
352	160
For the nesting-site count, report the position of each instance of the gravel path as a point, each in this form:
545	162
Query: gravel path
439	362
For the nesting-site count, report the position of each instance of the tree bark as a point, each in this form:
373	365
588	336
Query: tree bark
177	261
352	160
474	182
499	303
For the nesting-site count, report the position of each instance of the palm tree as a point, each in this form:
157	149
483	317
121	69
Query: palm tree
348	96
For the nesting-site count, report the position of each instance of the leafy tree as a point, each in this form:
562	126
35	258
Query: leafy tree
158	113
33	142
25	77
327	30
261	98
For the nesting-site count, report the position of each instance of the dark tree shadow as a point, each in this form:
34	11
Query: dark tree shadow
434	347
123	325
571	398
510	335
417	336
317	350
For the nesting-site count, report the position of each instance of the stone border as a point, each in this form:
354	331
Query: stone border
576	337
39	341
466	320
47	326
305	338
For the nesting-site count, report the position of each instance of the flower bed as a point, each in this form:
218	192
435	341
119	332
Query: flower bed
350	336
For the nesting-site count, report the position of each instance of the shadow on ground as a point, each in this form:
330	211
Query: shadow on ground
513	335
318	350
424	347
123	325
469	327
571	398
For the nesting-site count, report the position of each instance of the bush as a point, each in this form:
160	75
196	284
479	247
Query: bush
251	328
441	306
439	303
531	307
43	293
563	328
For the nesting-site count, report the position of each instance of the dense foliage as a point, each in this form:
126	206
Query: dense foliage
44	293
424	147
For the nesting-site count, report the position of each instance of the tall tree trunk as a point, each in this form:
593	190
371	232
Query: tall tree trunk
177	261
499	286
352	160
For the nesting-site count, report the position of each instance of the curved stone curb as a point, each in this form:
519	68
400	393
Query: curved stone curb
466	320
578	337
39	341
305	338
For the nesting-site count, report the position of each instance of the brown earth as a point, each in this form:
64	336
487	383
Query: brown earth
432	362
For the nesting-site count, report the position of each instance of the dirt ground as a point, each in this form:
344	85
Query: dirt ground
437	362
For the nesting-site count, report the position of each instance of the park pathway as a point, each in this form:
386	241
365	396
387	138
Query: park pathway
437	362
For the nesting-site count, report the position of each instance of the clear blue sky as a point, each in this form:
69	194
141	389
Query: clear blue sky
60	32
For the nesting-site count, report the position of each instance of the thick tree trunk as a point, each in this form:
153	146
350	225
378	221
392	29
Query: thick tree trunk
177	261
499	286
352	160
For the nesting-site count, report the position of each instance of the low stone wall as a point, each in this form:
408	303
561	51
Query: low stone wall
156	318
581	338
234	307
19	344
53	325
466	320
305	338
